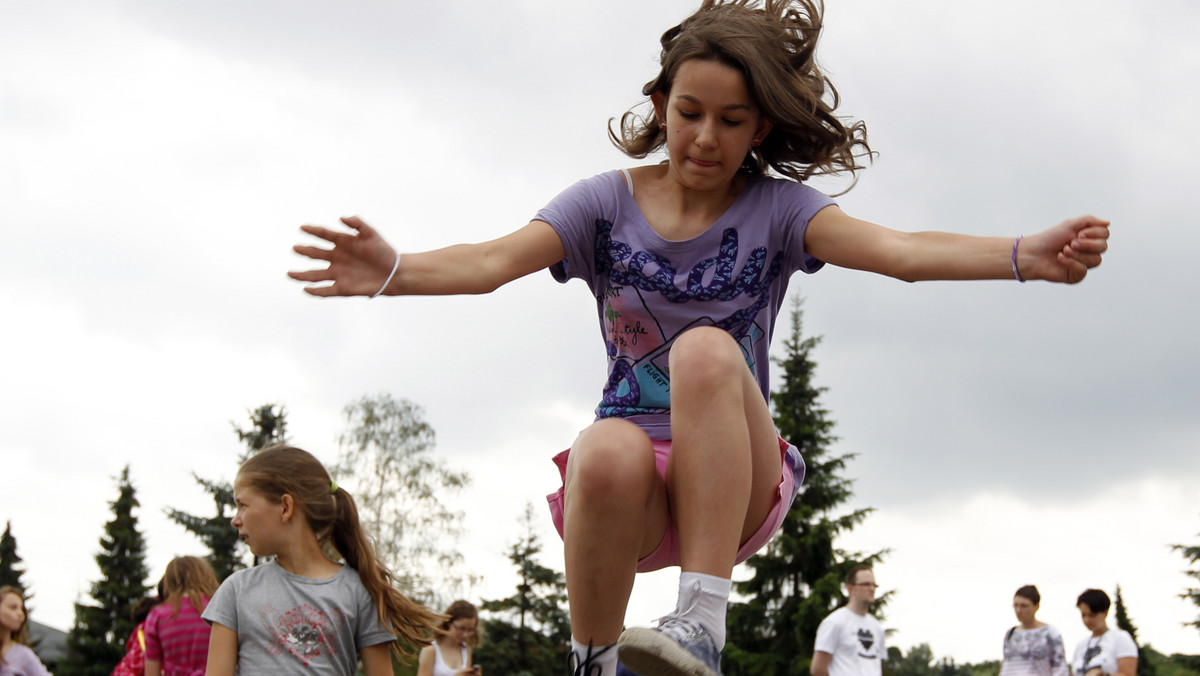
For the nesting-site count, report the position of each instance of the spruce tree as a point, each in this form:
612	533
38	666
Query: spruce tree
268	426
534	637
797	578
10	570
1192	554
1145	668
97	641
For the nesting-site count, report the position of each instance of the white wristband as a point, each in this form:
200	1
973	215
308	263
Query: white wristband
395	267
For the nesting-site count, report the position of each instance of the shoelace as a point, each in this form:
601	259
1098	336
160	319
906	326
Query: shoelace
677	624
587	667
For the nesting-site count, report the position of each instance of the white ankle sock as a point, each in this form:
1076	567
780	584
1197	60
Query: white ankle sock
705	598
603	655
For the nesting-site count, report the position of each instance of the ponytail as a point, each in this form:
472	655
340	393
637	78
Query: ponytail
411	622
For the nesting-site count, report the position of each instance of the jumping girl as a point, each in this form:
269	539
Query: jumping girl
303	613
688	263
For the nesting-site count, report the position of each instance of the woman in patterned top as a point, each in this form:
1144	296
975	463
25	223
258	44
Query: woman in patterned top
1032	648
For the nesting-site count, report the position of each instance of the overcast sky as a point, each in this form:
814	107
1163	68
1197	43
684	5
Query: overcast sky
156	160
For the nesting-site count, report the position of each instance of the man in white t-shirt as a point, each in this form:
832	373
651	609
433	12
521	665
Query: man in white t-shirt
849	640
1105	652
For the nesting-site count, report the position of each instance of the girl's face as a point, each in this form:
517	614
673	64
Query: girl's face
1025	610
711	124
12	613
462	629
1095	622
258	520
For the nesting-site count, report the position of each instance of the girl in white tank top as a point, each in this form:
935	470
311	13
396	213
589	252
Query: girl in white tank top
450	654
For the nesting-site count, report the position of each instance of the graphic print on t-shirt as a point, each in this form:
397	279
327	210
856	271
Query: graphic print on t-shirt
303	632
637	340
866	639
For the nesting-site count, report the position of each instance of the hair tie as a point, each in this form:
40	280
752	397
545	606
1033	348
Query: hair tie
333	488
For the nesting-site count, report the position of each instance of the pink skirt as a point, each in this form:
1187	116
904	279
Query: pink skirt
667	552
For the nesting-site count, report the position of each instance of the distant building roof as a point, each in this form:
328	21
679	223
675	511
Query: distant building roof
51	643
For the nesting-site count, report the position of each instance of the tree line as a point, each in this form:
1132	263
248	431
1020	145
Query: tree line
386	460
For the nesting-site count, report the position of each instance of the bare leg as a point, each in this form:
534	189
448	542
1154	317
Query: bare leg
721	481
615	512
725	465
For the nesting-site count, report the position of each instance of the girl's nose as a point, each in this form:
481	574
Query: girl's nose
706	136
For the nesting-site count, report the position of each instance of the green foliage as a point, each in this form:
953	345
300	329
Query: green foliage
1192	554
1175	665
10	569
797	579
97	641
1145	667
534	638
268	426
387	464
918	662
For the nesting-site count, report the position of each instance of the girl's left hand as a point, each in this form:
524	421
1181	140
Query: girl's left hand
1065	252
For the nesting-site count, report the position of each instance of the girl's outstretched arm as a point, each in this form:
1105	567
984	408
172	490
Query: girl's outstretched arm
222	651
377	660
361	261
1063	253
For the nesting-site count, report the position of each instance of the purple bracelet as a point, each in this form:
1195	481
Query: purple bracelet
1017	271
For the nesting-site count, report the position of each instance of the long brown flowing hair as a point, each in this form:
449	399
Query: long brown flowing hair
191	578
333	516
21	635
774	47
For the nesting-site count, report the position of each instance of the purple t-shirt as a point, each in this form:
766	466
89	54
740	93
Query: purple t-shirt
22	661
649	290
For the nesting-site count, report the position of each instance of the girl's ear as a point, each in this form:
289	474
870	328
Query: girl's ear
287	507
764	128
660	107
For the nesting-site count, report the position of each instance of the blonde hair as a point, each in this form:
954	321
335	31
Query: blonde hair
774	48
333	516
21	635
189	577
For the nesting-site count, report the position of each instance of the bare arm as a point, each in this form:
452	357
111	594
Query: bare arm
425	661
1063	253
820	663
1127	666
222	651
153	668
377	660
360	261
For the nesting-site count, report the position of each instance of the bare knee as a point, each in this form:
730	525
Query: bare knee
709	355
611	461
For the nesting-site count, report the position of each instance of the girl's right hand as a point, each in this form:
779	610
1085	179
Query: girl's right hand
359	261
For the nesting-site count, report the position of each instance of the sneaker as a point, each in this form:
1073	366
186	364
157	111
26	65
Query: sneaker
586	665
677	647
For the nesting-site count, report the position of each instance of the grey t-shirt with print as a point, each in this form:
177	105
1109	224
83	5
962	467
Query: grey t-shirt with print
288	624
